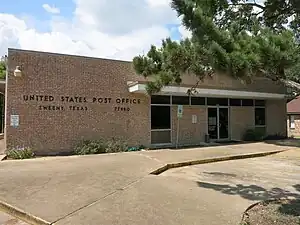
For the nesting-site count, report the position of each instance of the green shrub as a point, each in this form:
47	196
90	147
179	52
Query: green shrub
277	136
116	145
254	135
88	147
20	153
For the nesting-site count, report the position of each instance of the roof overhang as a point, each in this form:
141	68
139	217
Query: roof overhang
202	92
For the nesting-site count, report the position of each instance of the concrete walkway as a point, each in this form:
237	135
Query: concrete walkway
6	219
117	188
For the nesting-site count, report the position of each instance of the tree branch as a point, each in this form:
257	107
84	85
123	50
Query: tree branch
252	4
256	14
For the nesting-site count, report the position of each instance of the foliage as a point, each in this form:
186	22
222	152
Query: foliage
2	69
242	39
254	135
87	147
20	153
116	145
275	137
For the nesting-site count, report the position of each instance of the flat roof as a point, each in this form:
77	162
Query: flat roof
62	54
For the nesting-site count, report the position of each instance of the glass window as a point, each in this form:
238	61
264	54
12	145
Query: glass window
247	102
160	117
260	117
235	102
217	101
198	101
180	100
259	103
160	99
292	122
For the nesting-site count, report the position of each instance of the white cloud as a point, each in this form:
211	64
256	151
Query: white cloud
184	32
51	9
95	30
119	16
158	3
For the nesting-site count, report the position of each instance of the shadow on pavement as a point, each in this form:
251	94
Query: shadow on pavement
257	193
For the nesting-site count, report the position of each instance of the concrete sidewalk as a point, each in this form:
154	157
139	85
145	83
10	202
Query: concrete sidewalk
6	219
180	155
116	188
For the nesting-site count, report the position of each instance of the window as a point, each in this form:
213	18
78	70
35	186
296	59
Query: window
247	102
292	122
160	124
235	102
180	100
160	117
260	117
259	103
217	101
197	101
160	99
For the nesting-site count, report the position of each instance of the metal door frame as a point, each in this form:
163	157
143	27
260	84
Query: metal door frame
218	122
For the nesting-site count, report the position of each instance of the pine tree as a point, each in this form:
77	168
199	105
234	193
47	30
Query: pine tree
243	40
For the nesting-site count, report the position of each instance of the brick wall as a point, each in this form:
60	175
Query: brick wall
241	119
50	131
189	133
106	109
294	131
276	117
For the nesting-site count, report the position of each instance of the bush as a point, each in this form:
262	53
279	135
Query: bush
253	135
116	145
20	153
275	137
88	147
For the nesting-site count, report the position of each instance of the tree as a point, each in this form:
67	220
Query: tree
242	39
2	69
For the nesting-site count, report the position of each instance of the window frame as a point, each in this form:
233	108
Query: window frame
180	96
265	115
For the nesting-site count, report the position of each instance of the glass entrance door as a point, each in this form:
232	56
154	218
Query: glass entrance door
218	123
223	123
213	123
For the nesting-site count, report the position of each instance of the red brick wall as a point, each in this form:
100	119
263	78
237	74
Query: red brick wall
294	131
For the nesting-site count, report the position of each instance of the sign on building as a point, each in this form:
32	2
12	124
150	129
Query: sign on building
180	111
14	120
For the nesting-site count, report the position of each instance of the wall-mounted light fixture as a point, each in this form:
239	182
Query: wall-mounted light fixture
18	72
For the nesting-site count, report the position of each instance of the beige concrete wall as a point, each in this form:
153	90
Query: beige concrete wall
295	131
50	131
189	133
276	117
241	119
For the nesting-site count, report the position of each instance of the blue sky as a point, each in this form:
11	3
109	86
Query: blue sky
22	7
88	27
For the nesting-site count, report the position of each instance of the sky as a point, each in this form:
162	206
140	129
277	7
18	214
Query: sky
116	29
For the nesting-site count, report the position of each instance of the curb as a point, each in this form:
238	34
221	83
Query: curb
212	160
20	214
3	157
